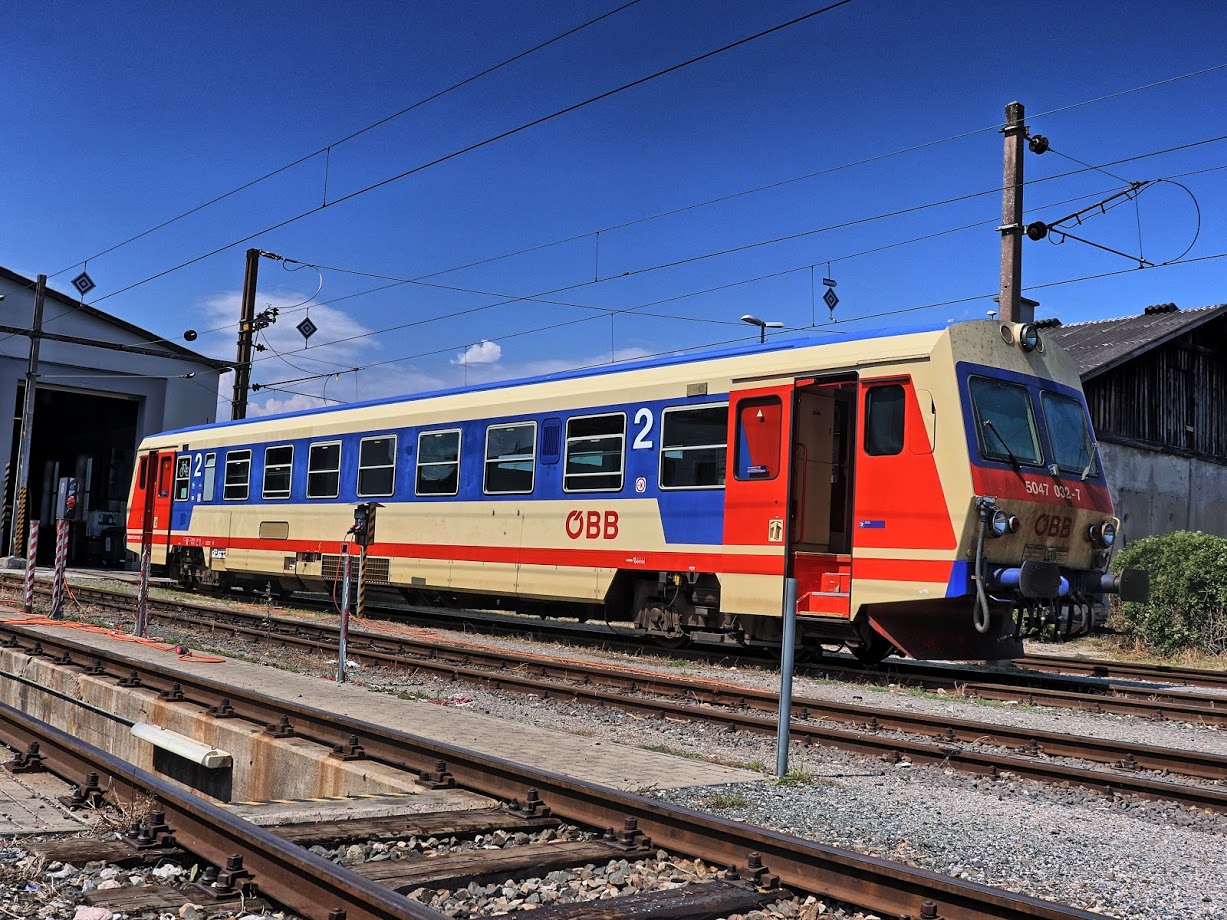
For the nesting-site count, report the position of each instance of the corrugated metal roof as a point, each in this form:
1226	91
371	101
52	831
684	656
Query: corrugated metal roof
1101	344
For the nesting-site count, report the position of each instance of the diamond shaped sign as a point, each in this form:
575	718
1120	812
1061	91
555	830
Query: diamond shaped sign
83	283
830	299
307	328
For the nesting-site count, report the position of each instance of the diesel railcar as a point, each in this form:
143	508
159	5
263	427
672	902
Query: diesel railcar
936	493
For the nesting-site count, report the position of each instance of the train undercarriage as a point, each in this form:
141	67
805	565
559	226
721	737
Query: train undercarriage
676	609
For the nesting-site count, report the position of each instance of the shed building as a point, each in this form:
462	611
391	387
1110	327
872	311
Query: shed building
1156	385
103	384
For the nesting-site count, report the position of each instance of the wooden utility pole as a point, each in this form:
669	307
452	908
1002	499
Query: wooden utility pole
242	364
20	491
1014	309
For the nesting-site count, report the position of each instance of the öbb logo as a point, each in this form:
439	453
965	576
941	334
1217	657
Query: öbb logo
1055	525
592	525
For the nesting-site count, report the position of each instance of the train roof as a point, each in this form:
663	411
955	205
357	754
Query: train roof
832	337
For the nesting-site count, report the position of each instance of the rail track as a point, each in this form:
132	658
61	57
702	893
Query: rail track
310	884
970	746
1097	689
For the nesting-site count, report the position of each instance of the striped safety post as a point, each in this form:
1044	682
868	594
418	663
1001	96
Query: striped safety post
11	537
343	635
142	591
31	561
19	517
61	562
360	608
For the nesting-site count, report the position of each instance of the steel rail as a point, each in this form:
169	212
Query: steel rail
1126	670
520	673
1030	743
1033	688
1044	686
868	882
294	877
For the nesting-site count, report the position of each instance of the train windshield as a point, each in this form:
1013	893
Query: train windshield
1072	446
1005	423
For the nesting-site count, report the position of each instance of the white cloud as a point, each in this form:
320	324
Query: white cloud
485	353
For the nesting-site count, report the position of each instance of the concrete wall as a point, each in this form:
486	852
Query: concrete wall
1156	493
264	767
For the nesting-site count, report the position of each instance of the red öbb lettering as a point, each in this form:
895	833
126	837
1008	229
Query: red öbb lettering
1054	525
592	525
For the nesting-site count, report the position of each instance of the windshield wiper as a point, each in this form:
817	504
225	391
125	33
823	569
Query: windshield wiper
1092	446
989	426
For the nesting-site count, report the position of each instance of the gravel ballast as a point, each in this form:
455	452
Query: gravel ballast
1123	857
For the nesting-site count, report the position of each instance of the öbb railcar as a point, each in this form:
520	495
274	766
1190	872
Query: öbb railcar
937	493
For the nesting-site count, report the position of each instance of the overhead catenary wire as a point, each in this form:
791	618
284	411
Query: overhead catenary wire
821	327
1058	110
748	246
558	113
633	309
327	149
662	214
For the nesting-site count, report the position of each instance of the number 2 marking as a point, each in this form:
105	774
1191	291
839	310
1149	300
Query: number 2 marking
643	417
199	460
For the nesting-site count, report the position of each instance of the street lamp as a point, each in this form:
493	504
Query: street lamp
762	325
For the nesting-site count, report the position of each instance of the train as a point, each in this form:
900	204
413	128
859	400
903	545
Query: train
933	492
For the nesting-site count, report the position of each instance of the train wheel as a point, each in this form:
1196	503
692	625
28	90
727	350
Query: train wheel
874	650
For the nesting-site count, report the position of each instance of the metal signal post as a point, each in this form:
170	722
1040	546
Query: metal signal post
1014	308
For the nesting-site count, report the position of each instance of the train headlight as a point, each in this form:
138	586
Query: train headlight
999	524
1029	337
1103	534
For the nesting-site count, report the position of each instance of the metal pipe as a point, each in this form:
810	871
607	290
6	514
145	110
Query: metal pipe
786	655
343	635
182	746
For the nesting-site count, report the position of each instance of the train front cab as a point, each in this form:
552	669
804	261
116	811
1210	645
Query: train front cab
858	510
149	505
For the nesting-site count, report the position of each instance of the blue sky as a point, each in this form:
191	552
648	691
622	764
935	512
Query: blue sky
117	117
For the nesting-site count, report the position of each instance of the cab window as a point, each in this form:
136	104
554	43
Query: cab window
1071	442
1005	423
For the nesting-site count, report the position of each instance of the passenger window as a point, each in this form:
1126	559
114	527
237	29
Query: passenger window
165	474
183	477
694	447
238	475
210	477
759	433
324	470
438	462
510	455
595	451
884	420
278	464
377	465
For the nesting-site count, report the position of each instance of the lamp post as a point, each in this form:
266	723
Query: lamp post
762	325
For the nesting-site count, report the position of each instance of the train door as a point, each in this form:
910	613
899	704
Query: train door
820	509
149	514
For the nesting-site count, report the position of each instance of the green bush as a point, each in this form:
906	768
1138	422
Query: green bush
1188	592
